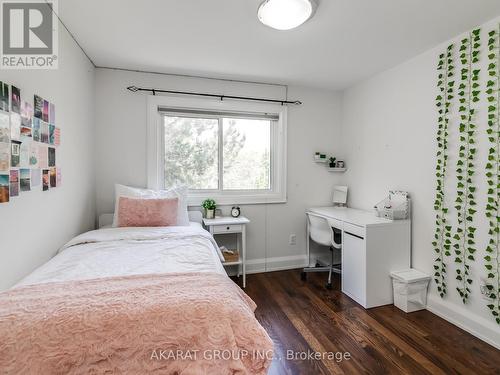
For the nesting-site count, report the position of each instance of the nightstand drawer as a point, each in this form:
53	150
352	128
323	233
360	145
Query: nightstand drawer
227	228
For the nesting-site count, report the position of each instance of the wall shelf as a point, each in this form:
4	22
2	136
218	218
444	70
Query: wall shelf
340	170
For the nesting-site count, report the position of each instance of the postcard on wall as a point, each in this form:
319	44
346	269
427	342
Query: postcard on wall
44	132
52	157
57	136
15	99
45	180
34	155
59	177
15	154
4	188
36	177
25	132
4	156
14	183
4	127
25	179
53	177
45	111
37	106
15	126
43	160
4	96
26	114
36	129
52	113
52	136
24	155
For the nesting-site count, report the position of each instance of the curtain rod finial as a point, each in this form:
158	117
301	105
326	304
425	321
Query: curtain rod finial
133	88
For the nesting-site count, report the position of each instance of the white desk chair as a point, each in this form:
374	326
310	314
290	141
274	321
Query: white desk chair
322	233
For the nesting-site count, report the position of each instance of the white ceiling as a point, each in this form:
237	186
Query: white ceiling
345	42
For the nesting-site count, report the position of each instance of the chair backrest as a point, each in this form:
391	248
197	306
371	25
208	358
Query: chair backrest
320	230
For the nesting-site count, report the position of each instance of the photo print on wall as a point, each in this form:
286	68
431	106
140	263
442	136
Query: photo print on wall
45	180
15	99
4	97
25	179
14	183
4	188
26	131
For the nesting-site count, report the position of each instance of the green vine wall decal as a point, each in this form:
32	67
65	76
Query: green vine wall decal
442	234
465	204
492	173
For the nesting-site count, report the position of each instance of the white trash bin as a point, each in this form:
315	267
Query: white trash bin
410	289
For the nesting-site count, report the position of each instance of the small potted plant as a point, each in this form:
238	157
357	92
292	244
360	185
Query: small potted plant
209	208
332	162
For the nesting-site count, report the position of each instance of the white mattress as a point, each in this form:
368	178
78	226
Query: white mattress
131	251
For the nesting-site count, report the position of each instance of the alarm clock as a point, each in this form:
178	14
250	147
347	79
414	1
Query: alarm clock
235	212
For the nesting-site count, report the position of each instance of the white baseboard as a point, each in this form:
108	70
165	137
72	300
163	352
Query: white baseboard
276	263
480	327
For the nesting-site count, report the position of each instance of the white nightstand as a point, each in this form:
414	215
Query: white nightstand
237	225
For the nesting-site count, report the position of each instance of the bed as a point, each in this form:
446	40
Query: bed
132	300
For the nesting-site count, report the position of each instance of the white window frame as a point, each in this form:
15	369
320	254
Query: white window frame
155	148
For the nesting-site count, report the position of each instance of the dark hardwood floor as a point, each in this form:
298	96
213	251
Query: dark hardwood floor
303	316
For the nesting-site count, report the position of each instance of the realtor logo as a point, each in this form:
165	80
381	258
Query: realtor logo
29	34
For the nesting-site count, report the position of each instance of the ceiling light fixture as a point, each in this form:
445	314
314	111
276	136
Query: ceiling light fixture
285	14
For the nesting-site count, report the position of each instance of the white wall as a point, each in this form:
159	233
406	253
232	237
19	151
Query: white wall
121	153
34	225
389	131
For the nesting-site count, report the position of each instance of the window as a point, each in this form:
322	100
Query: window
230	154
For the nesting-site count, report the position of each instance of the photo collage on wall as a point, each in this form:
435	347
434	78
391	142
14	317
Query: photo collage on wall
29	140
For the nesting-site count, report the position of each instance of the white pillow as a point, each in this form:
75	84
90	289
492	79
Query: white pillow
179	192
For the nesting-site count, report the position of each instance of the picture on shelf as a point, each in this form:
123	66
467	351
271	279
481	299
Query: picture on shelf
37	107
25	132
25	179
4	188
14	183
45	180
4	96
15	99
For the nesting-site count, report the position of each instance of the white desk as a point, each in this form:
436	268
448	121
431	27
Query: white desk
372	247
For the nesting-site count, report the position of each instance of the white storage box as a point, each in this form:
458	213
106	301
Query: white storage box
410	289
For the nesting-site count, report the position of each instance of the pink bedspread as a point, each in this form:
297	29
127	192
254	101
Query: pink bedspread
171	324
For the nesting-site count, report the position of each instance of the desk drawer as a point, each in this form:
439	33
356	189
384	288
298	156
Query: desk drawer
356	230
227	228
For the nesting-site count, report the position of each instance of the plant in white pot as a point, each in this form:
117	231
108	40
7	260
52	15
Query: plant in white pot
209	208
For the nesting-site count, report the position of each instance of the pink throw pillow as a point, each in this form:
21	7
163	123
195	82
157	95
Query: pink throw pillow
137	212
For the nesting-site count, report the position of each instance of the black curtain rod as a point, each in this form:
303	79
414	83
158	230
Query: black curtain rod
221	97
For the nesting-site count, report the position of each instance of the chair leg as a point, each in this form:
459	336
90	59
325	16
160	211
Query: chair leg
329	284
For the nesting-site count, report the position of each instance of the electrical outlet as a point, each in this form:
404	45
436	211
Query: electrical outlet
483	287
293	239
